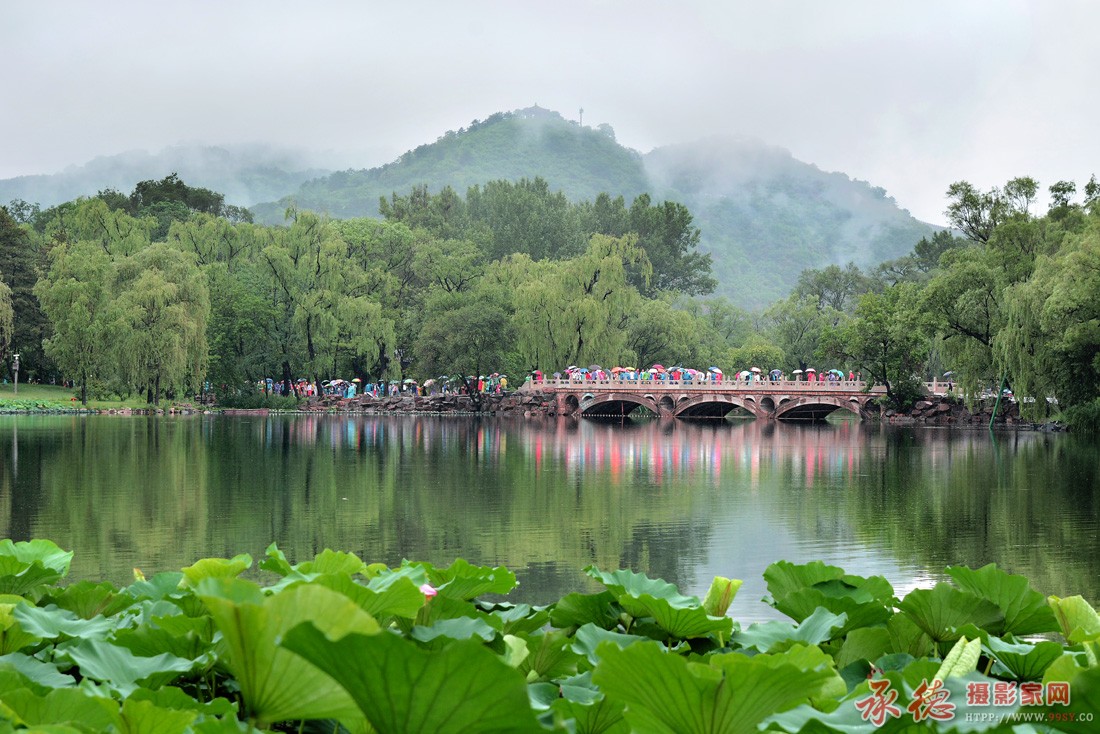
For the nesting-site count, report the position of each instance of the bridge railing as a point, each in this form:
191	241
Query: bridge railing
613	385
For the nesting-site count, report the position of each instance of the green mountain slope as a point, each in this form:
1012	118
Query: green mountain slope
244	174
581	162
764	215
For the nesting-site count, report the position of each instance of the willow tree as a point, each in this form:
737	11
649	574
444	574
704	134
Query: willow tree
325	300
576	311
164	305
76	296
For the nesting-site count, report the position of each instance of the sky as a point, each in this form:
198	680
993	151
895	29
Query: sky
910	96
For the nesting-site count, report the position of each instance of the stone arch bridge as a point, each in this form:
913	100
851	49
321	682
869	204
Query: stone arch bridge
783	400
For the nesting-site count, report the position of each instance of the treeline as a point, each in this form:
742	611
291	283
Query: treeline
512	276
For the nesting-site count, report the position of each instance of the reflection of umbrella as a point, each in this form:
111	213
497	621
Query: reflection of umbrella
755	369
948	374
796	372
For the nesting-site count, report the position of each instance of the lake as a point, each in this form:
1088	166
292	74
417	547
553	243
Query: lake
675	500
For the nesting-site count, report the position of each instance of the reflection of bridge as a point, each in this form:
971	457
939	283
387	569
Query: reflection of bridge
782	400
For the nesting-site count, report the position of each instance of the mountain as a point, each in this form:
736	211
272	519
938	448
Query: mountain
245	174
582	162
764	215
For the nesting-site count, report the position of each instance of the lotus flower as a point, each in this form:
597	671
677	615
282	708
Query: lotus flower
428	591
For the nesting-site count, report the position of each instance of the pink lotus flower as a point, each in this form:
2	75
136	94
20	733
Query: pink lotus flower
428	590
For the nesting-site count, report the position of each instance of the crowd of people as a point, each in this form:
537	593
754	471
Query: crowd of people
497	384
679	373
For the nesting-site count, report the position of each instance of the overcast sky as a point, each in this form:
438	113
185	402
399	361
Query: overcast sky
910	96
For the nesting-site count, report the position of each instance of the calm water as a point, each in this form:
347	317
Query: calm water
679	501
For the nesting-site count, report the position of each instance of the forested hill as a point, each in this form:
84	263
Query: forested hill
244	174
764	215
581	162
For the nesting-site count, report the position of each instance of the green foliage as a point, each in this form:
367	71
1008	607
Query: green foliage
338	643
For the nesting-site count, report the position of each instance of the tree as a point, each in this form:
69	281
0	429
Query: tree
796	326
165	306
468	333
666	234
76	294
576	310
884	341
976	214
927	251
20	260
659	332
6	318
833	287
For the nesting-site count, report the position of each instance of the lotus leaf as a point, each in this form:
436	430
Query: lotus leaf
163	585
12	635
446	631
122	669
398	598
145	717
549	656
461	580
274	683
907	637
590	637
679	616
784	577
45	552
168	697
602	716
35	670
1025	610
51	623
865	644
667	694
1023	662
88	600
576	610
1085	690
776	636
1076	617
63	706
215	568
519	618
941	610
402	689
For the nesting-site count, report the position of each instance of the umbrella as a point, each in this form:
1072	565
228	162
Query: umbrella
429	382
796	372
776	373
356	379
631	369
810	369
715	370
838	373
948	374
754	369
616	370
658	367
594	367
410	381
570	368
743	373
557	375
583	371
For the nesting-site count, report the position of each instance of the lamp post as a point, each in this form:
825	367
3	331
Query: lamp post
15	372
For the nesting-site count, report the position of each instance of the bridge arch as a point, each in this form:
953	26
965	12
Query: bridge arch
816	407
714	405
616	404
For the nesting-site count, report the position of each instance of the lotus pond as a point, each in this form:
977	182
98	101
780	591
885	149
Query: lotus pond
335	644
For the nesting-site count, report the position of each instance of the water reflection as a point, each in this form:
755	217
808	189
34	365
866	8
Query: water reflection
683	501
